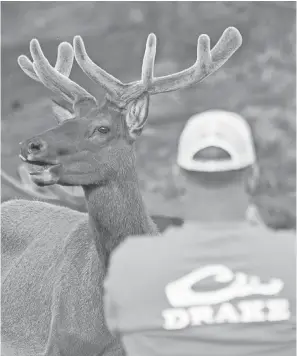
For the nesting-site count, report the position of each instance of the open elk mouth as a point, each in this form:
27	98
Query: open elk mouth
42	172
39	166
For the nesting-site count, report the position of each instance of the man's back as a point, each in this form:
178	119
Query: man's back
211	289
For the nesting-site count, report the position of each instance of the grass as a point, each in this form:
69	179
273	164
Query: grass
258	82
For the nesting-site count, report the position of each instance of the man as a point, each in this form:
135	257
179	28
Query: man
217	286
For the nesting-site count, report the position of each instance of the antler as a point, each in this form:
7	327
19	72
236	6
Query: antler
56	78
121	94
207	63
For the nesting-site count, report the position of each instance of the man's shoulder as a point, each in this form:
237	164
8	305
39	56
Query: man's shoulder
263	239
143	244
273	249
134	243
276	236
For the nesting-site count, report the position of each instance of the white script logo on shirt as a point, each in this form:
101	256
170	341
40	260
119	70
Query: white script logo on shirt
192	308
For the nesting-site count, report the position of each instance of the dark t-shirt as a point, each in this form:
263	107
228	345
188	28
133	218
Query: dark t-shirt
209	290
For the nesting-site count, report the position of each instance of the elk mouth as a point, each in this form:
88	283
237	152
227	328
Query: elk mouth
43	172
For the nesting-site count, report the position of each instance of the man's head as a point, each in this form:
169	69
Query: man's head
216	156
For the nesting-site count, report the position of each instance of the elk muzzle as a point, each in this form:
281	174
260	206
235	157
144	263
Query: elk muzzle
45	171
34	149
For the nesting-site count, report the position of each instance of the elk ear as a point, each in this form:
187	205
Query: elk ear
83	106
137	115
62	110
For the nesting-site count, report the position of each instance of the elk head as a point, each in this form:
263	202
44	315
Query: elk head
93	144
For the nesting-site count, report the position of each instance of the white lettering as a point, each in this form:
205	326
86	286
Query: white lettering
180	293
175	319
227	314
252	311
201	315
278	309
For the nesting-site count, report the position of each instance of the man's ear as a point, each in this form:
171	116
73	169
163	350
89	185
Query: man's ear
252	179
62	110
136	115
83	106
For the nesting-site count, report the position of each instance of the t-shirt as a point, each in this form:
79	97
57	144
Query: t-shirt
204	290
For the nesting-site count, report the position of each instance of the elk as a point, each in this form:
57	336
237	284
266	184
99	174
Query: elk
52	287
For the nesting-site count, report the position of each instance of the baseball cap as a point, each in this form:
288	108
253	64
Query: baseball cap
225	130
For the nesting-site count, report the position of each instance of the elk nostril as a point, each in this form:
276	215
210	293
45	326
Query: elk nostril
35	146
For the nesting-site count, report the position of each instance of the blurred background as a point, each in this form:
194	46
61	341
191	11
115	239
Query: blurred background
258	82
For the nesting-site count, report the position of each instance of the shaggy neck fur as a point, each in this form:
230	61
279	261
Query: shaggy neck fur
116	211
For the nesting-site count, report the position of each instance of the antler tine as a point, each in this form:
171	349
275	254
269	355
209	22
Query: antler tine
52	79
65	59
27	67
63	65
148	63
56	78
207	62
112	85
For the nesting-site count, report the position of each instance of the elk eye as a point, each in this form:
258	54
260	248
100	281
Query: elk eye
102	129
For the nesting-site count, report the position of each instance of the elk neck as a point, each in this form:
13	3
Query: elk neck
116	211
